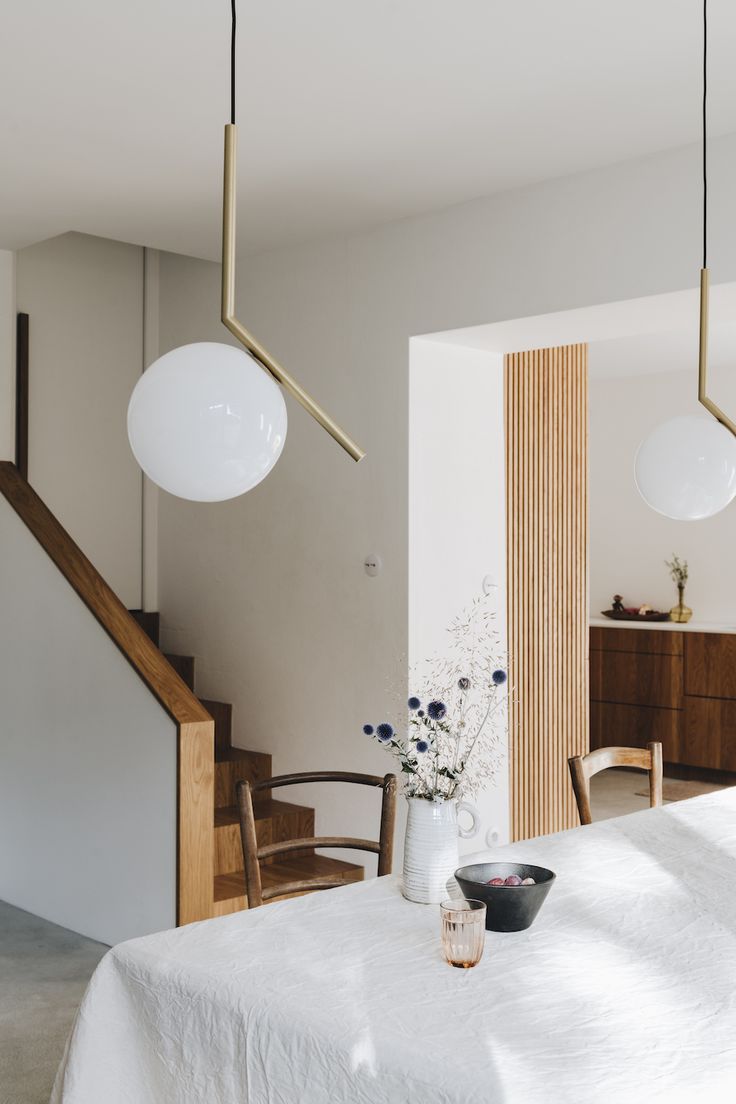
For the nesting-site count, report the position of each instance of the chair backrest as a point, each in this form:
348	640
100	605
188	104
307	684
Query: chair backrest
583	767
252	853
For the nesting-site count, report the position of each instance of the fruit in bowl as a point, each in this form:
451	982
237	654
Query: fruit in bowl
513	893
512	880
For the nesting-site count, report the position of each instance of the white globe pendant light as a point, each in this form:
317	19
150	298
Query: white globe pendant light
686	468
206	423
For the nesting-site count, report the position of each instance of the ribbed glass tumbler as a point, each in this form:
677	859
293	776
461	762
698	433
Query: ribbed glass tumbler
463	932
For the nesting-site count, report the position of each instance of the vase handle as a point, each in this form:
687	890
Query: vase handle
468	833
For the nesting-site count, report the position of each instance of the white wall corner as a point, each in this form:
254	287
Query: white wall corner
457	519
151	351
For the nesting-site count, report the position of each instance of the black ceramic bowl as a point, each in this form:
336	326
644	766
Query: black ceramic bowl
508	908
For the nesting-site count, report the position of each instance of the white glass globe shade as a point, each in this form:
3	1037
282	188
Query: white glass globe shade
686	468
206	422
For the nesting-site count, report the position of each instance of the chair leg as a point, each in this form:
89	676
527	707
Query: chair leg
388	817
581	788
655	775
253	887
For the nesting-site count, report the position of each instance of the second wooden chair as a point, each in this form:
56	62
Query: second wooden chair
583	767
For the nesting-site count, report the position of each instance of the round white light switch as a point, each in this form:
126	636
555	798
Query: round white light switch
372	565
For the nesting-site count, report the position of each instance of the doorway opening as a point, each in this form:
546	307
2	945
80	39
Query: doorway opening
464	538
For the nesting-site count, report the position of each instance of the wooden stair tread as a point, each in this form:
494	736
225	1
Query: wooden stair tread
228	886
263	808
275	821
231	765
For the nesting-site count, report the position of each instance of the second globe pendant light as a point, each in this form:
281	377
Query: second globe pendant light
686	467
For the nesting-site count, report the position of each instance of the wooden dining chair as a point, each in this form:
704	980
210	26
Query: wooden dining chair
583	767
252	853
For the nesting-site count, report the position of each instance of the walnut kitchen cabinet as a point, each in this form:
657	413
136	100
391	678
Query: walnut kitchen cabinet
675	686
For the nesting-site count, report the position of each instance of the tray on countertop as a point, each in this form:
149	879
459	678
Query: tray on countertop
653	615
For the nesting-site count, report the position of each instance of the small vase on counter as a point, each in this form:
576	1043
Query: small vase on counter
679	573
681	613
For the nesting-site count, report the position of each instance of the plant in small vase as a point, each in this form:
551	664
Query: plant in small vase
450	749
678	570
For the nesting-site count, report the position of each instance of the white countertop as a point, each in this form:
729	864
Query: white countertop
665	626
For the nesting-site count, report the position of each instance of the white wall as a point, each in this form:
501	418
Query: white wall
270	589
84	296
629	542
88	777
7	355
457	516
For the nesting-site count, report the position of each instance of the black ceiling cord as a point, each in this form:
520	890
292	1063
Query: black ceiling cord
232	62
705	133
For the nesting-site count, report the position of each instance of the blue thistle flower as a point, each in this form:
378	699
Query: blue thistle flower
499	677
420	712
436	710
368	729
414	703
463	683
384	732
422	746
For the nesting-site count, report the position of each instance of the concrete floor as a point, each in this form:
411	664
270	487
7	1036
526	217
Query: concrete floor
44	970
615	793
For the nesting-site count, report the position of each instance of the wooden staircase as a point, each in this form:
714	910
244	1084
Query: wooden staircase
275	820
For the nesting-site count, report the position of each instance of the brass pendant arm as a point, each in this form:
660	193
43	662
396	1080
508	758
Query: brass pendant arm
239	331
708	403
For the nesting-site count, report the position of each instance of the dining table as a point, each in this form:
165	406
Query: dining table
622	991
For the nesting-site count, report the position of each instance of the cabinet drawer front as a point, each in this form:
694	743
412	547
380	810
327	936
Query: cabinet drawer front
654	641
710	665
710	734
614	725
653	680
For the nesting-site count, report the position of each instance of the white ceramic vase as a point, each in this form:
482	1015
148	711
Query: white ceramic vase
430	847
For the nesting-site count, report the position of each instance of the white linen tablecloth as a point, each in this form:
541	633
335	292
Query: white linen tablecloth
623	991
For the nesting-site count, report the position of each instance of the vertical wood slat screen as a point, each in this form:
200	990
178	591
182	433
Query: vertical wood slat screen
547	525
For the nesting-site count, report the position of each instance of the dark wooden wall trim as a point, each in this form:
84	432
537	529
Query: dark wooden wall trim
21	394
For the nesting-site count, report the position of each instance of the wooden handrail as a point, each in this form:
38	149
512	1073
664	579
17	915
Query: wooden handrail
195	726
140	651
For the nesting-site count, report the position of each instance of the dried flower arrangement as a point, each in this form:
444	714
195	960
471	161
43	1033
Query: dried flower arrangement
678	571
452	744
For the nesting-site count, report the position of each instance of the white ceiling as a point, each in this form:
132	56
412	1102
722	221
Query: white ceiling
655	334
351	112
